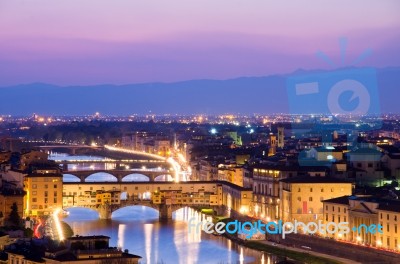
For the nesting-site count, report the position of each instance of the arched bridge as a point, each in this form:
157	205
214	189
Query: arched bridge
165	210
119	174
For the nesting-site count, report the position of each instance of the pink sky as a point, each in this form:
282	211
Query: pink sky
127	41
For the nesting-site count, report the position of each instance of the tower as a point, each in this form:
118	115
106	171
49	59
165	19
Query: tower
281	137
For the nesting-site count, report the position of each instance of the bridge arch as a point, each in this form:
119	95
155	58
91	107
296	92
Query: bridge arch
82	212
101	177
136	212
70	178
135	177
163	177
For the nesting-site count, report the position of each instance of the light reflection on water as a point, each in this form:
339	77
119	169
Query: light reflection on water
137	229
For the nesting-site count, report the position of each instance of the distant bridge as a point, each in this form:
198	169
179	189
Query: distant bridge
118	174
103	161
70	148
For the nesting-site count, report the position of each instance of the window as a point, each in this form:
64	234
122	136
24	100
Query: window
299	190
46	194
333	218
46	186
55	186
55	200
326	217
331	189
338	210
381	215
310	199
322	189
310	189
344	210
299	199
369	165
34	192
34	186
387	228
333	208
387	216
395	229
34	200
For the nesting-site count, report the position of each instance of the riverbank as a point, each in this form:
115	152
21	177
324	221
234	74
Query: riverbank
297	255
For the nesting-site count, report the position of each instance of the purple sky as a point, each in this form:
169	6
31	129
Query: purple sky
128	41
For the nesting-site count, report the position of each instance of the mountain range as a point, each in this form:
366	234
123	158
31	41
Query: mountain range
244	95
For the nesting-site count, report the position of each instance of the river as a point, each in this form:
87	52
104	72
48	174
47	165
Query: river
138	229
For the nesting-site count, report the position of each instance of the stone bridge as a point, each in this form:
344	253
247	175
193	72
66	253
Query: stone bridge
165	210
119	174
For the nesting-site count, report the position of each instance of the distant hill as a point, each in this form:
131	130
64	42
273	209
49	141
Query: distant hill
245	95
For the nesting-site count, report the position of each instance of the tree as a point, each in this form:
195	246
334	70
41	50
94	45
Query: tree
14	220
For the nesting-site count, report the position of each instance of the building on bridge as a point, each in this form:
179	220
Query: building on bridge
166	197
43	186
92	198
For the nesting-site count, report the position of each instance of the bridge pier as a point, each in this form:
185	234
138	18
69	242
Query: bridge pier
165	212
105	211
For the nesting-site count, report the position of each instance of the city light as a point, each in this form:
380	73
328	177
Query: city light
58	224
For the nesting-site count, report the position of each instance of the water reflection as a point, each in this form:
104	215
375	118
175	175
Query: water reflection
137	229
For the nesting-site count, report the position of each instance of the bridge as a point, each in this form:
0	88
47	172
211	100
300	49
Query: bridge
118	174
104	161
165	197
69	148
165	210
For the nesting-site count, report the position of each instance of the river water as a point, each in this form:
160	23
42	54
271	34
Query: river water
138	229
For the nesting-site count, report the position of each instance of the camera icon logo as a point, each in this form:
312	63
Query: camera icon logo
341	95
338	93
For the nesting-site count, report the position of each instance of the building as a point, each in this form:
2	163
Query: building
281	137
5	156
367	161
30	157
301	197
232	173
366	210
237	200
43	187
7	199
78	249
266	187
